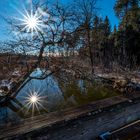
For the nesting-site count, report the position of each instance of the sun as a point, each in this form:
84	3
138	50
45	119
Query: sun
33	99
32	23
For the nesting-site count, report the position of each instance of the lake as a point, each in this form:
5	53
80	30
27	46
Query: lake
48	95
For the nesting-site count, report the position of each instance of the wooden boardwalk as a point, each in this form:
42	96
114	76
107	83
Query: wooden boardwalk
44	121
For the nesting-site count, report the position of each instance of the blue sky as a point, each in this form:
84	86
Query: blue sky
8	9
107	9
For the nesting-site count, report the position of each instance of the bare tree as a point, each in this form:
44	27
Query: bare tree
59	26
84	13
50	34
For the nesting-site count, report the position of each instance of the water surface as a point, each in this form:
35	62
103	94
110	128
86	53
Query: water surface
52	95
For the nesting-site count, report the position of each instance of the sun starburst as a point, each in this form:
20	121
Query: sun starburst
32	23
34	102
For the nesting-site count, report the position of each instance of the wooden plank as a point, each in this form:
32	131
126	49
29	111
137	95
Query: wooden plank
46	120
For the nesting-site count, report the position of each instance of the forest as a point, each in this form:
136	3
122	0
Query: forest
70	56
72	39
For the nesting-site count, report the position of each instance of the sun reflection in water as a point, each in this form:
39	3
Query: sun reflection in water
34	103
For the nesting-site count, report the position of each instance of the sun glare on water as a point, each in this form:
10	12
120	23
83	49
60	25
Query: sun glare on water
34	102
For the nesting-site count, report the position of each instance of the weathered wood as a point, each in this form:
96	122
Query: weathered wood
122	84
46	120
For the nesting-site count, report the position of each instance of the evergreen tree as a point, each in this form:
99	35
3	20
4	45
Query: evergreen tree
107	50
95	40
107	27
128	35
121	7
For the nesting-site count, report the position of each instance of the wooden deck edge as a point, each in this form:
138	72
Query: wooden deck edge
46	120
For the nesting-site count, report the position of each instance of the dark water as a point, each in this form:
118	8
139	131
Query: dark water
51	96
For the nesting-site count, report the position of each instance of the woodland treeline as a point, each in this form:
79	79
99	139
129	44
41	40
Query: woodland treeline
76	27
71	28
120	46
